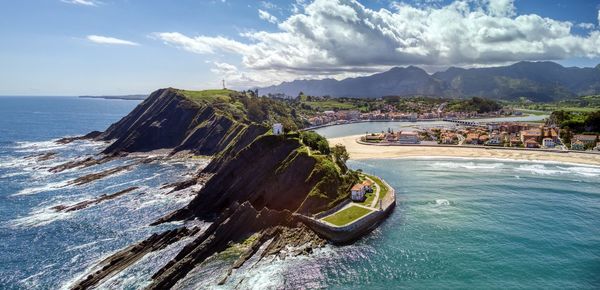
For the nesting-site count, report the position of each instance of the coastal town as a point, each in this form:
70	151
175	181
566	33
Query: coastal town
492	134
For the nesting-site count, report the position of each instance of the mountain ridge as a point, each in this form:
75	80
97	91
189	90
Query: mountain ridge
537	81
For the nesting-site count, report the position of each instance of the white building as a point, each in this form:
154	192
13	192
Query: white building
277	129
548	143
358	192
407	137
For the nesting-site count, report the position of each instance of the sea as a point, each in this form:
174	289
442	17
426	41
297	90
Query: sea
458	224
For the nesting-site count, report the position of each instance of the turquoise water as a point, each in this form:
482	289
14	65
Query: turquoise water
471	224
458	224
371	127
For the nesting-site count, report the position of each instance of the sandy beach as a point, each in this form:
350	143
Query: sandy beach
361	151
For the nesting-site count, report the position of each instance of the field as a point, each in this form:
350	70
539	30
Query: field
347	215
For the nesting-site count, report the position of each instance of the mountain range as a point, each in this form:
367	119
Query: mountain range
537	81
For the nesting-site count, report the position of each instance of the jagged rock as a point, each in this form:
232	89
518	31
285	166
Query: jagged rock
87	203
87	162
126	257
42	156
89	136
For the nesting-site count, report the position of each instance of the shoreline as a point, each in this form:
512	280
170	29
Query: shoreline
359	151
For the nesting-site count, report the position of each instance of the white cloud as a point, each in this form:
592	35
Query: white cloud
82	2
264	15
110	40
342	37
585	25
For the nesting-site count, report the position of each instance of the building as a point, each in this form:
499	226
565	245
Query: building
277	129
578	145
374	137
472	138
358	192
495	140
587	140
368	185
548	142
408	137
531	143
515	141
535	134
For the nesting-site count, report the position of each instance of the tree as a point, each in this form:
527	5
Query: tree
323	147
340	153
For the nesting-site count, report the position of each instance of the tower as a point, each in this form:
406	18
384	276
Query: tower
224	84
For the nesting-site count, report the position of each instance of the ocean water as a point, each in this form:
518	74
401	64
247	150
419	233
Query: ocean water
44	249
458	224
465	224
374	127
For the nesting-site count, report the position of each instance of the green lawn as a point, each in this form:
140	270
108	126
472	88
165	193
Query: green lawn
208	95
384	189
347	215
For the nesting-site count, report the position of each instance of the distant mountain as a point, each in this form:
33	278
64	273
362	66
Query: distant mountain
538	81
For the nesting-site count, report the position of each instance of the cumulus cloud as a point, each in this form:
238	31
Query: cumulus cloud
82	2
341	37
264	15
110	40
585	25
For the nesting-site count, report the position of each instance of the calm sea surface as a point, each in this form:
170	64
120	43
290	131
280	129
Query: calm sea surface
459	223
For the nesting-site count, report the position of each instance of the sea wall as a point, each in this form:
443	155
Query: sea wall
354	231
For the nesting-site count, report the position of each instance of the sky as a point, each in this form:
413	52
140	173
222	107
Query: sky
112	47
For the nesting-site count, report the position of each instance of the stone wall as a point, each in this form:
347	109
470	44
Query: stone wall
349	233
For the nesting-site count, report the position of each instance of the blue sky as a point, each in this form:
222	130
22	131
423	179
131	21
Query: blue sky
74	47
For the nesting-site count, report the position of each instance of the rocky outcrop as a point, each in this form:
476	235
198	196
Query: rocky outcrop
126	257
168	119
255	183
290	178
87	203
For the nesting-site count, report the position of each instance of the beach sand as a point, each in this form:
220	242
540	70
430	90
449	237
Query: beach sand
361	151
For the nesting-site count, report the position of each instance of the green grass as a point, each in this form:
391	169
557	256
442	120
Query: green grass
384	189
347	215
208	95
370	196
331	104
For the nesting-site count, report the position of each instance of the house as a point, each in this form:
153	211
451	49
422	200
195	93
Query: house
531	143
408	137
587	140
374	137
277	129
368	185
548	142
472	138
578	145
515	141
358	192
535	134
495	140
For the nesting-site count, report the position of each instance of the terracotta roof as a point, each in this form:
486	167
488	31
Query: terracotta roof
357	187
367	182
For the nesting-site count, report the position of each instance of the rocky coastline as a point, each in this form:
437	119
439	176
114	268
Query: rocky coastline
257	185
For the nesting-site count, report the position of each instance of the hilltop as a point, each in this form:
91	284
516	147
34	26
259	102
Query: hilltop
537	81
258	182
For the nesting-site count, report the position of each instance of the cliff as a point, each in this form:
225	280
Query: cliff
170	119
259	180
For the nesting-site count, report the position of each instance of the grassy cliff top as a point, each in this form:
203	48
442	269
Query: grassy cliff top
208	96
246	107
